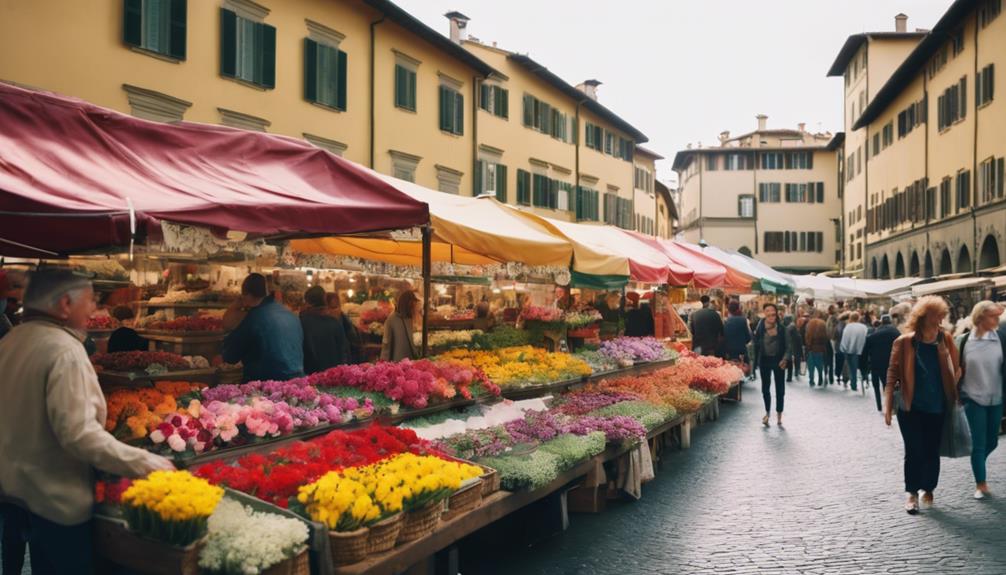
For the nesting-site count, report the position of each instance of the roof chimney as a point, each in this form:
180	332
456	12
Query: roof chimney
802	126
762	120
901	23
589	87
724	136
459	23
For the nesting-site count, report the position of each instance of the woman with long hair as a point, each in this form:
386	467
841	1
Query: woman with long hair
397	342
921	386
772	355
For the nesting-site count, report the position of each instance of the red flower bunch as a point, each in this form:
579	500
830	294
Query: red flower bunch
102	322
190	323
138	360
376	315
110	490
709	384
276	476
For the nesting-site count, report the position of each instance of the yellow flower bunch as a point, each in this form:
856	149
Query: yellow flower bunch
520	365
172	506
340	503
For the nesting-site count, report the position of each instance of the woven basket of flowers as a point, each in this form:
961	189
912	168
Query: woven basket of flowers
348	547
421	522
466	498
384	534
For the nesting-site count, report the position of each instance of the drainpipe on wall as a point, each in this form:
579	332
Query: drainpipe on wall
974	174
373	97
576	161
476	87
925	143
754	199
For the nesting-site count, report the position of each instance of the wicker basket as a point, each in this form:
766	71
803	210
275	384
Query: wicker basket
384	534
490	480
299	564
348	547
113	541
421	522
463	500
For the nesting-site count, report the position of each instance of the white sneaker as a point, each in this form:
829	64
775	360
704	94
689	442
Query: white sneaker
979	494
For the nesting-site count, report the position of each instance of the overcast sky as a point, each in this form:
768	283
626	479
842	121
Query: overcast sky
684	70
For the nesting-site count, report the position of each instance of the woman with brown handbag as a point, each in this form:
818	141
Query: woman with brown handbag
922	385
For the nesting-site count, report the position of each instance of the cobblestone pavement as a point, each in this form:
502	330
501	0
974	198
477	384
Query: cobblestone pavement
822	495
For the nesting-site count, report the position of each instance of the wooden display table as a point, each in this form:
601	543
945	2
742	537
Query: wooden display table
204	343
114	379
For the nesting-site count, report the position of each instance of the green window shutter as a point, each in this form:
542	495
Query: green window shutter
528	105
228	43
445	112
411	91
501	183
176	46
401	87
340	101
310	70
132	22
521	186
484	91
459	113
503	109
480	166
268	51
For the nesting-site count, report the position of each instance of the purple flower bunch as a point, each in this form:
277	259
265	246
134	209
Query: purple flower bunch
536	427
616	428
476	443
585	402
634	348
295	392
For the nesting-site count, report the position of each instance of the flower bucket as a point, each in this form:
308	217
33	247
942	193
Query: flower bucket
421	522
348	546
114	541
463	500
384	534
299	564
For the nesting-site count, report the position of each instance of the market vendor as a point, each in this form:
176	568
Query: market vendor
325	341
266	337
52	432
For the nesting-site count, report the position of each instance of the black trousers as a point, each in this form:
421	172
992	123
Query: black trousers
921	434
768	366
879	384
839	365
55	549
793	369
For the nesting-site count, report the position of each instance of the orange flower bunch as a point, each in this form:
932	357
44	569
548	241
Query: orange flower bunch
668	386
134	413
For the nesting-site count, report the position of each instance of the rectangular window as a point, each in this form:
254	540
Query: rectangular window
769	192
876	144
888	134
452	110
859	161
957	39
735	162
405	87
587	204
945	204
712	162
771	161
324	74
989	183
984	85
247	50
595	137
745	206
523	188
492	179
799	161
988	10
952	105
774	241
963	187
495	100
156	25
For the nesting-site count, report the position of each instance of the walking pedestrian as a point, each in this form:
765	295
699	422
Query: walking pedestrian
707	329
831	322
877	352
983	375
836	344
853	340
772	356
817	345
922	385
737	334
794	341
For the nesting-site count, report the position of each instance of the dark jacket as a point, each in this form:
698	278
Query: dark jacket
707	331
639	322
760	335
355	341
325	341
794	341
737	334
269	342
877	350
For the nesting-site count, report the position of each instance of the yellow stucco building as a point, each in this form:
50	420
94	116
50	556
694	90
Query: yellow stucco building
361	78
932	177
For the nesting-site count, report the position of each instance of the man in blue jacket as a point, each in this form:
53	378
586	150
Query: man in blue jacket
267	338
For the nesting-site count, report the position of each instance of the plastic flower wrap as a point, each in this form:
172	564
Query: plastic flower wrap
170	506
242	541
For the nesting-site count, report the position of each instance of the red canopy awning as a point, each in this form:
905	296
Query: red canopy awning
733	279
73	174
677	274
707	273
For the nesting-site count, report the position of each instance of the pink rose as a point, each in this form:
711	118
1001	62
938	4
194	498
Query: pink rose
176	443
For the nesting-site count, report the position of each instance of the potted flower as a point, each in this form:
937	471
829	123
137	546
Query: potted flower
344	507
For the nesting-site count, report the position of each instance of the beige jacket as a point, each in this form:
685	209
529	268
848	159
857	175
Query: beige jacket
52	434
397	342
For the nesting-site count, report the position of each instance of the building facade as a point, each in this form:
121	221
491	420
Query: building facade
769	194
935	201
361	78
865	62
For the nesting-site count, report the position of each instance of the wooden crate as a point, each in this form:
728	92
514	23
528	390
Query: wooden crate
114	542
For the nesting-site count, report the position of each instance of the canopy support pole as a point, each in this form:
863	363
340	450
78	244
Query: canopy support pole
427	272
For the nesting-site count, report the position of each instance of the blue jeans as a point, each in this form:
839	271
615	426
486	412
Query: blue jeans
984	423
815	362
852	360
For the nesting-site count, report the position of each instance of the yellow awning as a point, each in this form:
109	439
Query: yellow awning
591	255
466	230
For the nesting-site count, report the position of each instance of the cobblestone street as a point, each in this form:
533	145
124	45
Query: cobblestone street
823	495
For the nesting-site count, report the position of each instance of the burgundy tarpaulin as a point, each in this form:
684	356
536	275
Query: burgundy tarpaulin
72	172
677	274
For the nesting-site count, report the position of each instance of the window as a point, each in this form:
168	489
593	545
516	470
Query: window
910	118
643	179
990	180
403	165
546	119
799	161
984	85
247	50
876	145
495	100
888	134
939	60
807	242
769	192
736	162
712	162
324	74
988	10
491	177
586	204
796	193
945	205
931	203
850	165
952	105
405	85
963	187
156	25
859	161
774	241
595	136
523	188
771	161
452	110
745	206
957	38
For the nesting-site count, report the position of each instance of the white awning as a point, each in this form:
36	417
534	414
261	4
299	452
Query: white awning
950	285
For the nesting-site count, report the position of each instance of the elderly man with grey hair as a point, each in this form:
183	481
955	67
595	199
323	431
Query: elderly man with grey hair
52	433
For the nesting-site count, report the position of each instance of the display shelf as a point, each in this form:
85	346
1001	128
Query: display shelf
113	379
184	304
